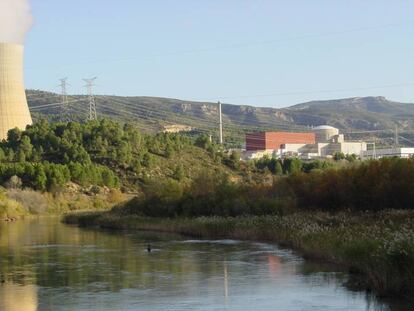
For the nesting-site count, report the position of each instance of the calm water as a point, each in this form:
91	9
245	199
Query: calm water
45	265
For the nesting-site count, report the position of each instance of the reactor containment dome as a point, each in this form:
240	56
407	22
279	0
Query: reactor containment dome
325	133
14	111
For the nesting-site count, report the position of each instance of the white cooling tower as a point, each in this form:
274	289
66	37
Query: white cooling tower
14	111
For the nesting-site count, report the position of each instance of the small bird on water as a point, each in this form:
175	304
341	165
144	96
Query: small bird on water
149	248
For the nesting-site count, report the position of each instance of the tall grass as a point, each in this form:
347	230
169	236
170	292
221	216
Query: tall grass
10	209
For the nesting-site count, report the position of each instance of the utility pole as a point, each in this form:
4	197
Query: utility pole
92	105
64	99
396	141
374	150
220	123
374	153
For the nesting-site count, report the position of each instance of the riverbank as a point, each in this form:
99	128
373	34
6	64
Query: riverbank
377	248
18	203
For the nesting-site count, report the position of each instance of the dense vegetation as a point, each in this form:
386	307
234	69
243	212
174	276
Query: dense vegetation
371	185
47	155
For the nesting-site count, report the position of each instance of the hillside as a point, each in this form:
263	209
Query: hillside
358	113
153	113
48	155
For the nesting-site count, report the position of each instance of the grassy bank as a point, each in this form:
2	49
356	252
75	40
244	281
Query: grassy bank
17	203
377	247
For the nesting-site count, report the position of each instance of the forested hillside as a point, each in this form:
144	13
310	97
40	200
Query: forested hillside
106	153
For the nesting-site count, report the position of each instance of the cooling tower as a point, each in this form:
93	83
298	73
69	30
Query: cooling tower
14	111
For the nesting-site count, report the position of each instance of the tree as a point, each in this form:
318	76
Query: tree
338	156
2	155
13	136
202	141
169	151
14	182
10	155
25	146
40	179
147	160
21	156
278	168
179	173
351	157
235	159
108	178
292	165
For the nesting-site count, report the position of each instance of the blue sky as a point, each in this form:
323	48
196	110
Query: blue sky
262	53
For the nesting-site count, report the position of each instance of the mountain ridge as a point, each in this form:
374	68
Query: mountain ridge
153	113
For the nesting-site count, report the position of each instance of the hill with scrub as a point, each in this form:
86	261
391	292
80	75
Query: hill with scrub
46	156
358	116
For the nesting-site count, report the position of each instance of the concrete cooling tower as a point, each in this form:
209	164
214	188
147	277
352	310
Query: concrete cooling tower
14	111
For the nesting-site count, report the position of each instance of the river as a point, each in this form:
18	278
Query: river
46	265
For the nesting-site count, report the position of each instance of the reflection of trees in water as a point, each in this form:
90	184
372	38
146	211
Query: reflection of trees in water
49	254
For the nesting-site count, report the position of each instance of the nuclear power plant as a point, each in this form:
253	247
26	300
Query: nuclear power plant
14	111
323	141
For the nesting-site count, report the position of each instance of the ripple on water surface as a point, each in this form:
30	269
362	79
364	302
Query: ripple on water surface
45	265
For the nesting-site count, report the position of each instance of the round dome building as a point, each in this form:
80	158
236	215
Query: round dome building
325	133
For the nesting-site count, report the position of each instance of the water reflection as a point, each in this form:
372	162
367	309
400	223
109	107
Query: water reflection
18	297
226	282
274	265
45	265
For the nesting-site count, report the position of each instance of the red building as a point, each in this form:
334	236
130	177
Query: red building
274	140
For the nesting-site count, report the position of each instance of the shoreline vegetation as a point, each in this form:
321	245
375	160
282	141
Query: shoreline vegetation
360	217
20	203
371	246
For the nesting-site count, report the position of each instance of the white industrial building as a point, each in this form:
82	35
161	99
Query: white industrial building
399	152
327	142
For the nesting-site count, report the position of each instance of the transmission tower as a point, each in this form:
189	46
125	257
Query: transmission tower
64	98
92	105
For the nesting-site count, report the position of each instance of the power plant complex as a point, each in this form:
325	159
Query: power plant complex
322	142
14	111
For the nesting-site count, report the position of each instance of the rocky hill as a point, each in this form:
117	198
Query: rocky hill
356	114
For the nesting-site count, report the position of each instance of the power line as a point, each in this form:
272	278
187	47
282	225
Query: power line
406	139
53	105
184	118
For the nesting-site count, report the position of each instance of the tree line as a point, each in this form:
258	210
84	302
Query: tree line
373	185
48	155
